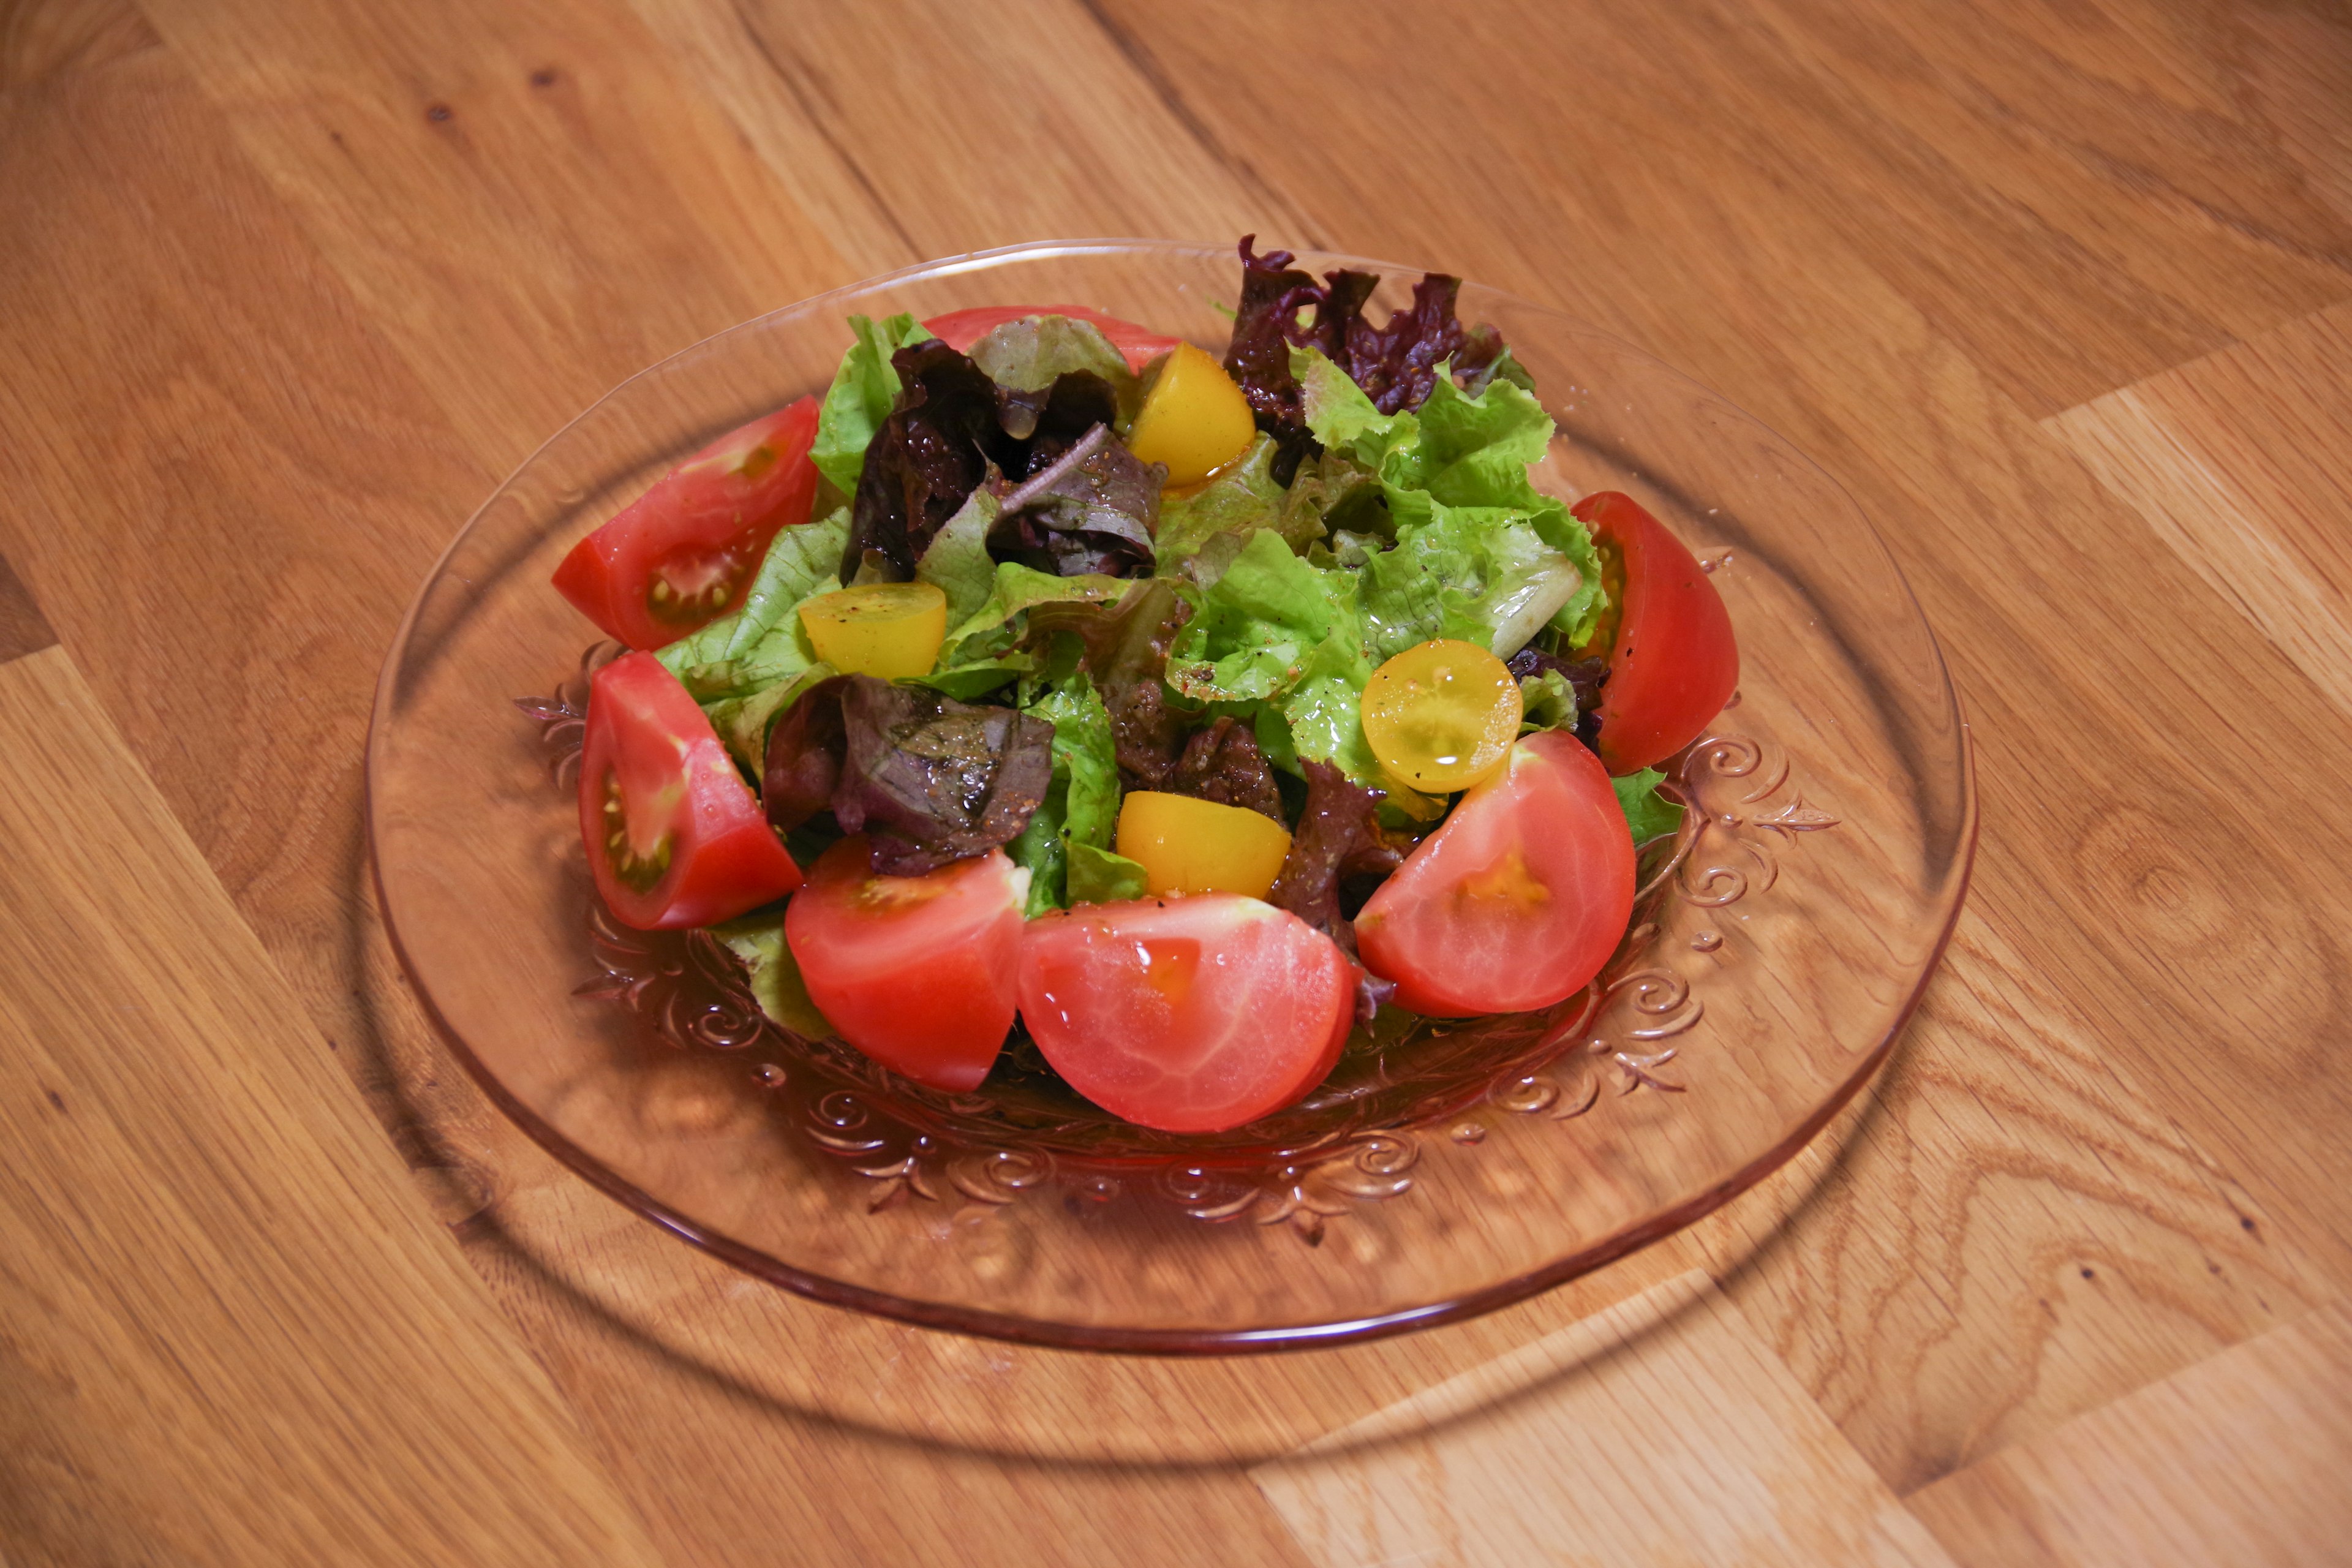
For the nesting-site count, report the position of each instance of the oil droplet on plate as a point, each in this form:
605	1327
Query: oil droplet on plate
768	1075
1469	1132
1706	941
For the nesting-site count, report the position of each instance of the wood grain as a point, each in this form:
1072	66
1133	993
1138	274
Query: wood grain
2242	463
2237	1459
288	287
23	628
2022	1238
45	38
525	199
231	1335
1698	1449
1095	143
2113	887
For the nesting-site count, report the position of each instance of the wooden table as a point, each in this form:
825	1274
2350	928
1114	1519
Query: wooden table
2064	294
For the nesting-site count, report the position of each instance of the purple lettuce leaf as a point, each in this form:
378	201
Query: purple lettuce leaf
928	779
1282	308
950	422
1338	838
1123	645
1222	762
1094	509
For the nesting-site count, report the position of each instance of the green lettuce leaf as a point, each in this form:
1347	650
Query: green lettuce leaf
1277	632
1240	500
1482	575
1647	812
1251	636
956	560
982	653
1032	354
1460	452
1080	810
1546	701
744	723
1104	877
1202	531
763	643
864	388
758	939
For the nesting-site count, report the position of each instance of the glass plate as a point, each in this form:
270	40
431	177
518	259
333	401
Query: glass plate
1445	1169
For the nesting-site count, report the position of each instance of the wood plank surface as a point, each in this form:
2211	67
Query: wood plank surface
1658	1430
2239	1459
2058	293
229	1335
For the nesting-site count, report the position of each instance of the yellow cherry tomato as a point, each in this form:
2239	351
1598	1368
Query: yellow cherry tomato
890	629
1188	845
1194	418
1442	715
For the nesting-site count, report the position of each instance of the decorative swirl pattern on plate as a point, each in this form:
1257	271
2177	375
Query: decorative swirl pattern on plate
1356	1139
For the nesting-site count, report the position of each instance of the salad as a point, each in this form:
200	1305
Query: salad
1186	707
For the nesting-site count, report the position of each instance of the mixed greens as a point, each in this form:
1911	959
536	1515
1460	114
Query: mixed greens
1106	634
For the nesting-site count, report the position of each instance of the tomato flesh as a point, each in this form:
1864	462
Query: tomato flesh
685	552
1517	898
674	837
1137	345
1193	1014
915	972
1674	663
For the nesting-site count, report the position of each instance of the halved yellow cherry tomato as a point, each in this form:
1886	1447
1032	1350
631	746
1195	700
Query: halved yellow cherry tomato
1442	715
890	629
1188	845
1194	419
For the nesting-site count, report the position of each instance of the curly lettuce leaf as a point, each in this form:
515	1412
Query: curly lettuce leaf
1256	626
1481	574
1458	450
1238	501
1546	701
763	644
1276	631
863	389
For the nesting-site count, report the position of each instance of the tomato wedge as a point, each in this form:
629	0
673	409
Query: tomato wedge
1138	345
1190	1014
1673	664
674	837
683	554
915	972
1517	898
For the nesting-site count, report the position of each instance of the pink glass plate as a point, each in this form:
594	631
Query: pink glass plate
1445	1169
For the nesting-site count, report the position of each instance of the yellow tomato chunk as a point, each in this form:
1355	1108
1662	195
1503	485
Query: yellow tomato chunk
1188	845
1442	715
1194	419
890	629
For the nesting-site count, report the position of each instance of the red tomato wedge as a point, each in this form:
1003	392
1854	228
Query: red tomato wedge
1674	664
915	972
1190	1014
1138	345
1518	900
683	554
674	837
